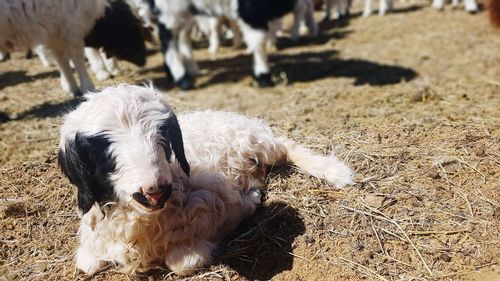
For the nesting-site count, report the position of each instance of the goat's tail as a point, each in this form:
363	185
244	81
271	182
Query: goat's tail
329	168
494	10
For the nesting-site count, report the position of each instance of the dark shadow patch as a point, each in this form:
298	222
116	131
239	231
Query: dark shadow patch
22	210
307	67
163	83
327	25
12	78
321	39
4	117
260	248
405	10
49	110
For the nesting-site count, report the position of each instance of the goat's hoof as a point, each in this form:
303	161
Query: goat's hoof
185	83
264	80
4	117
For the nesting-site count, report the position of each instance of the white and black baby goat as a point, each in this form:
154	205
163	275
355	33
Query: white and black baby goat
64	27
149	196
253	17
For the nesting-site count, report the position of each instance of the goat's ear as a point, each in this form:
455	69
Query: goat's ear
87	164
171	131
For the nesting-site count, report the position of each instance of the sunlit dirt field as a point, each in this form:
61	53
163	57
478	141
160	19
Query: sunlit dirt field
411	101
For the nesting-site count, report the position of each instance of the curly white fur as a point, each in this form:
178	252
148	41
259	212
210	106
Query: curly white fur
243	147
228	155
60	25
183	236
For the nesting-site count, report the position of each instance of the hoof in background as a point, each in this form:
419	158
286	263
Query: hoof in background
264	80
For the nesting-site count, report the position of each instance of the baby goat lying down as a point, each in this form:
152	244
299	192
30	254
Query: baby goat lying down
139	207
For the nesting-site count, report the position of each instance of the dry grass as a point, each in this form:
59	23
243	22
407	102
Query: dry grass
411	101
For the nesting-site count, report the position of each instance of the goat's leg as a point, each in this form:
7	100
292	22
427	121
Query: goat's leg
173	58
78	59
96	63
438	4
110	63
68	83
256	42
235	29
470	6
186	50
214	35
312	26
328	9
368	8
299	12
383	7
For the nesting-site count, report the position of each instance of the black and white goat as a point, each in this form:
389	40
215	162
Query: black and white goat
253	17
157	189
65	27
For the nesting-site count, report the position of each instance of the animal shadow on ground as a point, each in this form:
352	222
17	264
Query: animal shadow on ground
4	117
259	248
49	110
323	38
12	78
409	9
310	66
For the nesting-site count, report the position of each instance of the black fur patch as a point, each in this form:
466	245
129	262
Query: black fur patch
165	36
120	34
88	164
152	7
258	13
171	132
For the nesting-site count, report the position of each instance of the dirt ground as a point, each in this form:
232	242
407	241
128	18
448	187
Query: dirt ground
411	101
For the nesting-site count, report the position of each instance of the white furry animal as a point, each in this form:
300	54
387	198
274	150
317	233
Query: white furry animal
469	5
62	28
60	25
384	7
138	208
